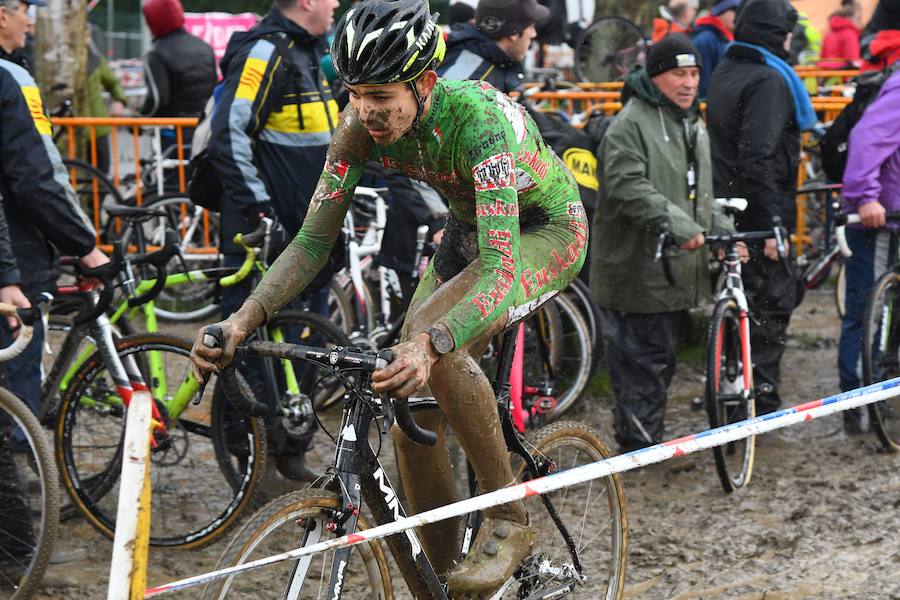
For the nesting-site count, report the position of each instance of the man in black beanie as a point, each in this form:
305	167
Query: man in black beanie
493	49
755	138
656	173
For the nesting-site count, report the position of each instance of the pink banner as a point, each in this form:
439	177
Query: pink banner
215	28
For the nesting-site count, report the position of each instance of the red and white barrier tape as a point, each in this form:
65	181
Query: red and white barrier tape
603	468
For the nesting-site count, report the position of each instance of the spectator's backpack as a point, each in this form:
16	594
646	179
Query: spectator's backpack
834	143
205	186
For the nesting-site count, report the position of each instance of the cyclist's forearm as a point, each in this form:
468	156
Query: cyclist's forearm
288	276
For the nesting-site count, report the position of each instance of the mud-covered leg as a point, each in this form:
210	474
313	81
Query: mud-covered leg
467	401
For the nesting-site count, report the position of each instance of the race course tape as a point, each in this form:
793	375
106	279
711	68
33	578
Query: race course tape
582	474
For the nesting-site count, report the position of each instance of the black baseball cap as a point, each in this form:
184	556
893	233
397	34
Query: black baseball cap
501	18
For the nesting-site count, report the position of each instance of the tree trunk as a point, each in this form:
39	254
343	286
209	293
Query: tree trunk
61	53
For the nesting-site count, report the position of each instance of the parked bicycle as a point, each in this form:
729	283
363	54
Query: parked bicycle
729	393
881	344
29	494
581	539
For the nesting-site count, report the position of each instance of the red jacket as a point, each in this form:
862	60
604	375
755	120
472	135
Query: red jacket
842	40
663	27
884	49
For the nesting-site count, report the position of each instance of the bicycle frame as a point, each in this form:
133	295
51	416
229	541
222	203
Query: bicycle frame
176	402
733	289
357	474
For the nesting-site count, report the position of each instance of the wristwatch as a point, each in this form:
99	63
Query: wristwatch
440	340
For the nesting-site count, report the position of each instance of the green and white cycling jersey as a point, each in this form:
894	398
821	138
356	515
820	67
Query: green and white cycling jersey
514	206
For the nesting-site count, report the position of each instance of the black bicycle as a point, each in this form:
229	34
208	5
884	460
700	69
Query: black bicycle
580	543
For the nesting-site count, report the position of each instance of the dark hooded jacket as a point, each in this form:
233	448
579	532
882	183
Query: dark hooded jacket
272	124
472	55
40	205
180	73
644	186
750	116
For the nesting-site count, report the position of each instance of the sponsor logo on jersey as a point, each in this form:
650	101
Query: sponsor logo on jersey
498	209
534	162
523	310
583	165
576	209
534	281
515	114
479	148
494	173
500	240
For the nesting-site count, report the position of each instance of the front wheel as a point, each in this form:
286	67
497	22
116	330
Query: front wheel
729	391
29	510
593	513
298	519
881	355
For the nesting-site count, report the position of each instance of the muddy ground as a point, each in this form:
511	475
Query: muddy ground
821	518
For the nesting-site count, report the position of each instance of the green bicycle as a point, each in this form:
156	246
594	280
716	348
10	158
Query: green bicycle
208	457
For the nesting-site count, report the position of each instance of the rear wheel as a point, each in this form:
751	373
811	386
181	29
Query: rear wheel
729	393
881	355
292	520
202	478
593	512
608	49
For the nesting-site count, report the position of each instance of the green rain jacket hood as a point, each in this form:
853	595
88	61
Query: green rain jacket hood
644	185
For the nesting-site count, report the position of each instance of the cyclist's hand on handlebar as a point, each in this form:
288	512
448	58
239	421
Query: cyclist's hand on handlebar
210	360
872	215
93	259
12	294
743	252
409	370
695	242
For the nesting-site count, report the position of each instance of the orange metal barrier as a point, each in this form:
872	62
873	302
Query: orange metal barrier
78	140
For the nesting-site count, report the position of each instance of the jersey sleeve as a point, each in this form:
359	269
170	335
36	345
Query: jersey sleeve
488	152
305	256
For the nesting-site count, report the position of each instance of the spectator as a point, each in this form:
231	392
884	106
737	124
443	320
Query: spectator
756	109
17	28
880	42
180	68
711	35
39	203
100	78
269	136
871	187
656	173
493	49
806	43
460	14
675	17
841	45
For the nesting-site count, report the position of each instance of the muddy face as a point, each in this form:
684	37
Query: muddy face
386	111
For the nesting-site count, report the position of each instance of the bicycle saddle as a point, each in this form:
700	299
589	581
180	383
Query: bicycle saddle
134	213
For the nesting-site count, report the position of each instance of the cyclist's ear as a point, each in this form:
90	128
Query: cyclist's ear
425	82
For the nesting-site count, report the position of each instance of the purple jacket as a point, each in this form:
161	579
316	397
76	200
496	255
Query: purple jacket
873	155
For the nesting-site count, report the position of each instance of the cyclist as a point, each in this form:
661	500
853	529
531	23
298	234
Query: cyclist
516	233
